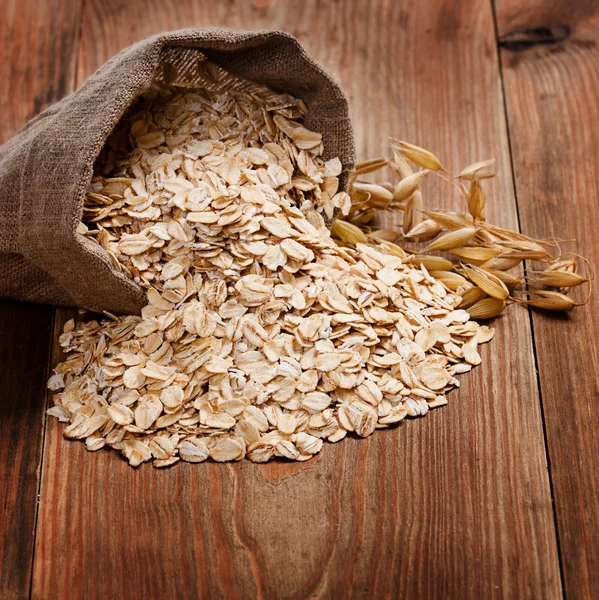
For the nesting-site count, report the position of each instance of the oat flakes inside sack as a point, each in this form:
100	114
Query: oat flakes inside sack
45	170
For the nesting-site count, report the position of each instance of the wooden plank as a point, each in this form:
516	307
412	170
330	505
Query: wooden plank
551	91
25	336
37	67
454	505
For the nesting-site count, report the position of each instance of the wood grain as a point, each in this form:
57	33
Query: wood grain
37	67
454	505
38	59
552	92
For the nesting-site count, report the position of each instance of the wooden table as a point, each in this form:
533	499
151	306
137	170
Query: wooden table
495	495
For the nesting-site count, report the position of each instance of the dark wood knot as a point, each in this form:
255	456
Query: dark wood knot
517	41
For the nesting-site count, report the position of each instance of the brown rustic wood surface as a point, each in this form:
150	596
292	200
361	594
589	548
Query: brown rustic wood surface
456	505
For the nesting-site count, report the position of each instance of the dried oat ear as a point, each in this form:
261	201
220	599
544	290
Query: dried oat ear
481	253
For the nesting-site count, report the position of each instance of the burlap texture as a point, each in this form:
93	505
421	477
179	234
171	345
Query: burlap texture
46	168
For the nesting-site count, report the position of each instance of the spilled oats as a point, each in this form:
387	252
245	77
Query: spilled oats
262	337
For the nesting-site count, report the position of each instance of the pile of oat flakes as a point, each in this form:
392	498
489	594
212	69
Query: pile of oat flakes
262	337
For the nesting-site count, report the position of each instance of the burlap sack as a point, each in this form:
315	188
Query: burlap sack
46	168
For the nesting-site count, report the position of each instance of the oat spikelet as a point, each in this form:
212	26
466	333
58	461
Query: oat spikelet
487	282
394	249
476	200
406	187
452	280
400	165
453	239
477	170
549	300
375	195
525	250
412	215
502	262
560	279
387	235
471	296
475	253
419	156
424	231
450	220
347	232
432	263
486	308
509	279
